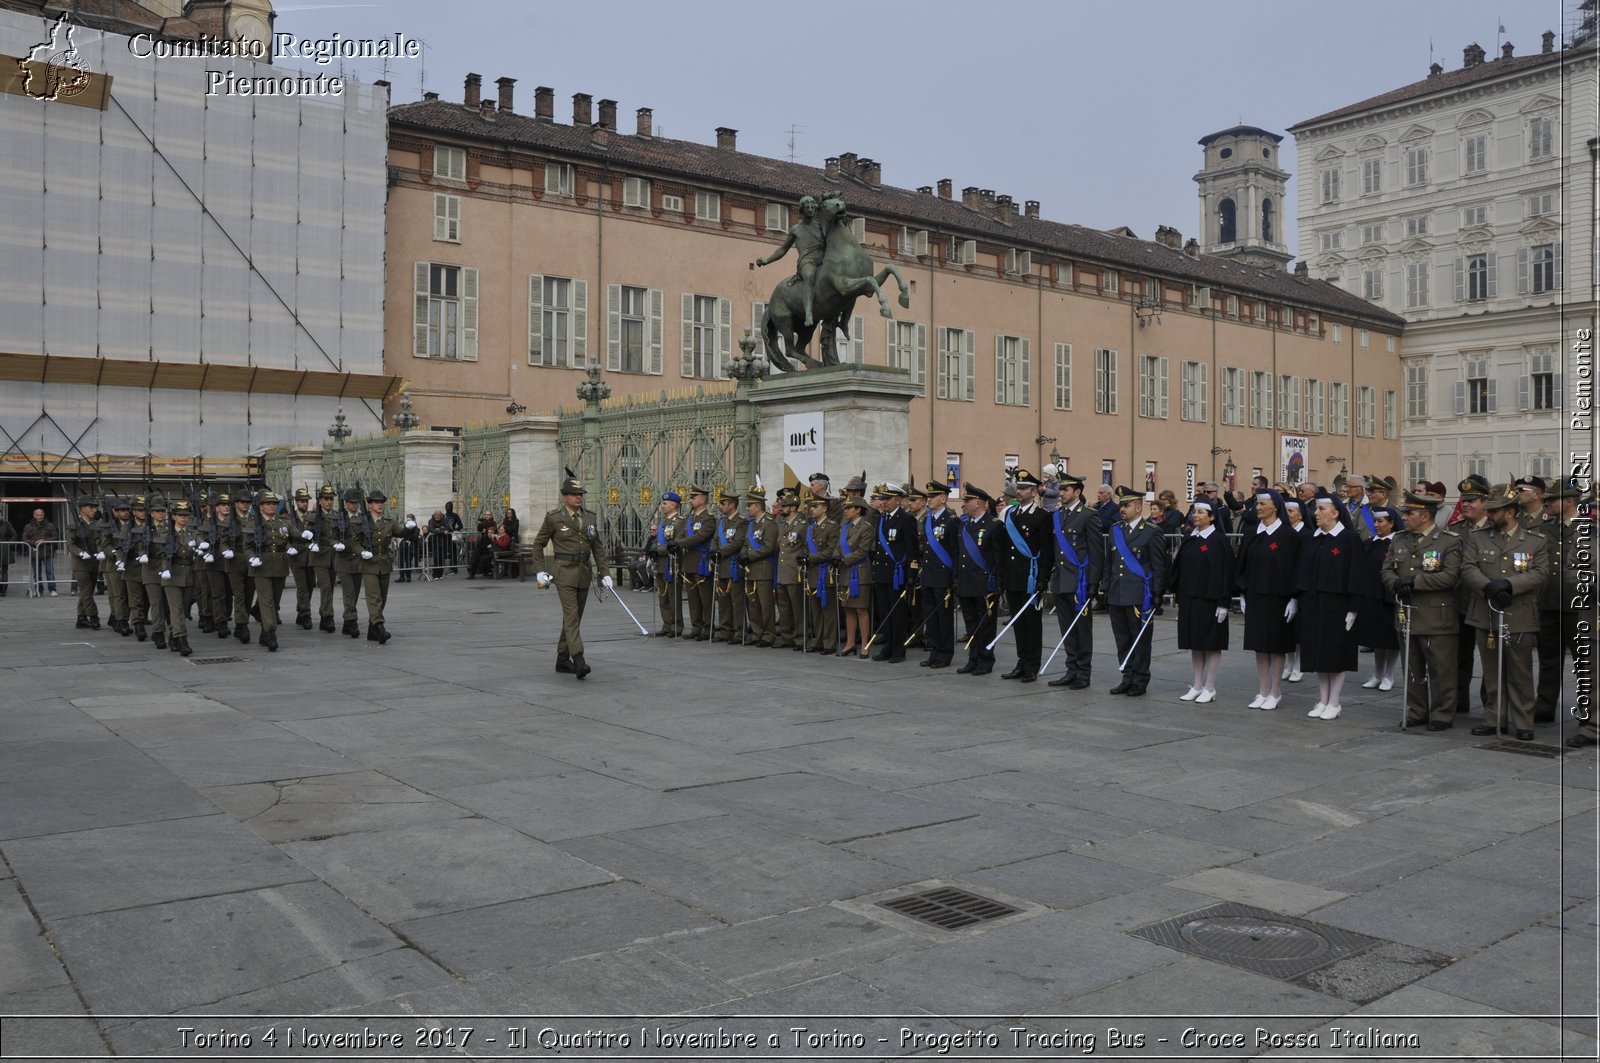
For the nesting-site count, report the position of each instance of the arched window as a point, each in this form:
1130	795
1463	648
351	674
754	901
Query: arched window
1266	221
1225	212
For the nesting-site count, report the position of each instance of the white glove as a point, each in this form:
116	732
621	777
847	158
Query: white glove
203	546
542	579
192	545
1222	613
100	555
366	555
292	551
144	559
1241	605
1349	621
83	555
255	562
121	567
411	524
1292	608
339	547
210	558
166	573
315	549
308	534
607	582
227	555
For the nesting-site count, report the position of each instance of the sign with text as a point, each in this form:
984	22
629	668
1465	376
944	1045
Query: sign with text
802	446
1296	452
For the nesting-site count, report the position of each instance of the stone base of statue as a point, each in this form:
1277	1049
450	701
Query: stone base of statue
864	415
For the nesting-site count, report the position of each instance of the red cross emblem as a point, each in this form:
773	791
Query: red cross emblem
1204	548
1272	546
1335	551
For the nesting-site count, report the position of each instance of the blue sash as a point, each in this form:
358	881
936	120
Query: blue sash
722	539
1119	536
1022	548
899	562
936	546
1366	515
974	553
855	569
705	568
822	569
1082	566
750	538
666	558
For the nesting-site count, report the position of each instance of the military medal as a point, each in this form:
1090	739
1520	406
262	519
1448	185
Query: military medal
1430	560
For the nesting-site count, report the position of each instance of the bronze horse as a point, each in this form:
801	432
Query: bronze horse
844	276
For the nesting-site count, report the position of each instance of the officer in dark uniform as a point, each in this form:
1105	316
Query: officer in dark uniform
224	545
300	558
914	503
573	534
939	540
1547	646
1423	571
1503	566
1135	571
821	539
728	541
977	578
666	549
698	567
1575	540
324	528
1029	557
1079	543
893	548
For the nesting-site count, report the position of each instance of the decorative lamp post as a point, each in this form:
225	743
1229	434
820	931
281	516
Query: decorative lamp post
338	431
592	391
747	369
406	419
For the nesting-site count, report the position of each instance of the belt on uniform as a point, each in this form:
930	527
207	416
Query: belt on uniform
576	559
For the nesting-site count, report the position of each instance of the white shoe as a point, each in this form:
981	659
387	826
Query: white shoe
1371	682
1386	684
1270	704
1316	711
1205	696
1190	694
53	594
1331	712
1285	674
1295	676
1257	701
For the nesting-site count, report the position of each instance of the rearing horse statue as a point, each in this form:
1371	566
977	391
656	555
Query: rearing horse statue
843	277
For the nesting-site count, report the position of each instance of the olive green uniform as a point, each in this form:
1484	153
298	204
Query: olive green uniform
113	540
1519	558
822	607
180	563
699	569
1431	562
267	560
574	540
377	569
156	544
791	600
759	559
136	545
669	575
350	538
728	539
324	527
300	559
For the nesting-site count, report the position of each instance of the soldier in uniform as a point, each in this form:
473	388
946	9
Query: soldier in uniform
1422	571
266	557
1575	542
324	528
914	503
83	544
728	542
202	528
977	579
790	591
895	546
300	558
698	571
1474	489
1079	544
1547	645
1135	570
113	552
760	560
668	537
937	539
820	487
1503	566
177	574
376	558
218	537
352	536
1028	559
856	538
821	540
236	563
149	559
574	536
136	545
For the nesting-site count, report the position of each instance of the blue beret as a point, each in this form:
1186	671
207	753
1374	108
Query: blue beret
672	496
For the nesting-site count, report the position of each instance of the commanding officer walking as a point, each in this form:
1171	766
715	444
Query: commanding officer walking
1503	566
324	527
728	542
266	556
300	557
377	561
177	574
668	540
790	591
1136	568
573	534
1422	571
1025	545
697	568
977	579
938	542
82	543
821	539
113	551
353	535
760	560
1079	544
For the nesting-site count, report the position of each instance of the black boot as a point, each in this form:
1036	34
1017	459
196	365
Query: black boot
172	644
222	630
328	624
207	627
383	634
242	633
83	622
261	637
184	648
271	641
372	632
94	623
580	667
138	629
123	628
159	639
352	628
303	620
563	663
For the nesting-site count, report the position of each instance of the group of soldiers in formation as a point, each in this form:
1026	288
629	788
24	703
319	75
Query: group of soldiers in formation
231	557
1512	574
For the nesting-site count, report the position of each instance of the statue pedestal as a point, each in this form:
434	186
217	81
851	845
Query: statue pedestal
864	413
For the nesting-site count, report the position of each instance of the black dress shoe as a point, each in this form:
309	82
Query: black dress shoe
938	664
580	667
967	669
1524	736
1121	688
1439	725
1484	729
1029	677
1135	692
1016	673
1063	681
1580	740
925	664
982	671
1080	683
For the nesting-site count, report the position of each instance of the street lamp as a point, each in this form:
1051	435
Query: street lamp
747	367
516	409
406	419
338	430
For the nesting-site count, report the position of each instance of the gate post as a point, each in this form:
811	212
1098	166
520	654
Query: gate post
533	467
592	391
429	463
747	370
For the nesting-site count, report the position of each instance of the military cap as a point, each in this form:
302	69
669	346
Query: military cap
935	487
182	509
302	495
1390	483
265	496
376	495
220	499
1530	481
1067	479
756	494
138	502
857	483
1024	478
1429	502
1562	493
1473	486
1125	494
814	477
817	500
118	502
697	490
880	491
1500	496
672	496
787	495
327	491
972	490
87	500
725	495
855	502
911	490
570	486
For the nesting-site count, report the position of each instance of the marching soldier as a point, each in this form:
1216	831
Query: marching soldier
202	527
729	541
1422	571
696	566
1025	546
352	536
667	551
82	542
572	533
1503	566
790	590
268	562
157	542
977	579
137	545
895	545
225	545
113	552
1474	489
1575	542
177	574
376	558
236	563
300	558
821	539
324	528
760	558
1080	557
938	537
1135	568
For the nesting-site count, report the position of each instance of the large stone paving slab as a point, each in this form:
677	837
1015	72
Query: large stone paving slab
945	850
30	963
574	804
50	786
328	805
1410	911
826	809
1064	880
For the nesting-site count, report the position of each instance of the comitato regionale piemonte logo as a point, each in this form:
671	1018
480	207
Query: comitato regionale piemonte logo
54	69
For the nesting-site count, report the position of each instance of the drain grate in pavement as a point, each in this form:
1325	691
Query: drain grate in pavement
218	660
949	908
1256	939
1527	749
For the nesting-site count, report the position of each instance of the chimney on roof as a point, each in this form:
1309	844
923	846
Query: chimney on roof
1192	248
944	188
1030	209
926	190
970	197
986	199
830	166
474	86
1548	41
1471	55
504	85
1301	269
870	172
544	103
1435	70
645	119
727	138
486	110
1167	236
1505	50
582	110
430	95
847	163
608	114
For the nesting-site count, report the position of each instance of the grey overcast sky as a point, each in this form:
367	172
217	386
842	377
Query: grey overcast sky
1093	108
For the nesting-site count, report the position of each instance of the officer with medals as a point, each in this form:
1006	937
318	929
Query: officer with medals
573	534
1028	559
177	574
300	557
1503	567
938	541
894	546
350	538
112	553
698	563
323	526
977	578
1473	516
821	539
1135	570
267	559
377	561
82	546
728	541
1079	543
759	559
1423	571
667	552
791	597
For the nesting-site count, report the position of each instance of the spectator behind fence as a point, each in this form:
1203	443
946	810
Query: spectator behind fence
8	538
512	526
452	524
41	534
438	542
482	560
407	559
1164	512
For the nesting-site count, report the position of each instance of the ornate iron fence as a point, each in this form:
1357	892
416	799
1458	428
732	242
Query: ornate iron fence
376	461
485	471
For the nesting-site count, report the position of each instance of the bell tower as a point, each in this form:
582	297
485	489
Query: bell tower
1242	198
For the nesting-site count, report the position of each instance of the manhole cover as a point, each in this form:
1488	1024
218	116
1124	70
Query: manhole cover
1527	749
218	660
1255	939
949	908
